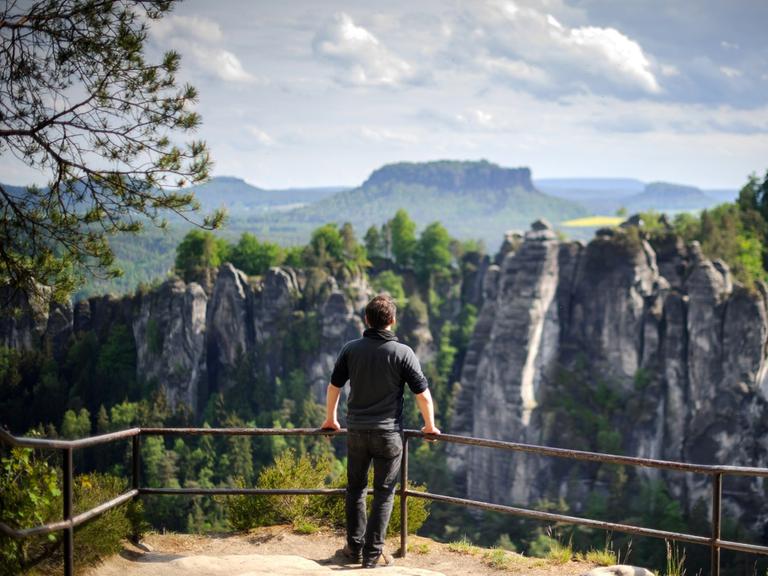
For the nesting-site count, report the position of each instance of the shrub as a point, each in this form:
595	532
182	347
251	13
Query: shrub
288	471
30	495
306	471
101	537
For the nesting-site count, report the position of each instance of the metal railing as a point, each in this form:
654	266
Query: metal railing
70	521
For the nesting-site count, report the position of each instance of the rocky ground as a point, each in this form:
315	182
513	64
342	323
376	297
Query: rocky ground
280	550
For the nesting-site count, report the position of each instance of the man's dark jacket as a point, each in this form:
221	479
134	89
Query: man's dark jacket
377	367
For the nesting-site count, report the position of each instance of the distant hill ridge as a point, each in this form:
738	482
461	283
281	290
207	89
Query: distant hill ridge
230	190
452	175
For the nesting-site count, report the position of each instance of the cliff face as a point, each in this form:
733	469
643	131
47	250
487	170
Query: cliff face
680	360
191	345
169	327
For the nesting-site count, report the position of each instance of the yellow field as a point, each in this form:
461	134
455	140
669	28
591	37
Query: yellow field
593	222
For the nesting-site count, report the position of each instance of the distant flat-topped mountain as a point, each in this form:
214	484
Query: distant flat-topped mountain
235	193
472	199
665	196
452	176
606	195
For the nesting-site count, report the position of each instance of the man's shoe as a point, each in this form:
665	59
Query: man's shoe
350	555
381	560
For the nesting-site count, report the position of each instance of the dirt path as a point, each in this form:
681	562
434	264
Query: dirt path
278	550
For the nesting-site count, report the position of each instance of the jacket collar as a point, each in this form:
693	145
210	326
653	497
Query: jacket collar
379	334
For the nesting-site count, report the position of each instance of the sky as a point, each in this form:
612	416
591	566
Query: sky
315	92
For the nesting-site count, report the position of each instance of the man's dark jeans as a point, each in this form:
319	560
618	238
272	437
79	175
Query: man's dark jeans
384	448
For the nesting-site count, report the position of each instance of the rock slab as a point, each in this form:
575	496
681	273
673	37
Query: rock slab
234	565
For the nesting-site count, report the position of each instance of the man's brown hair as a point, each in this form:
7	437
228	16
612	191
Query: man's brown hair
380	312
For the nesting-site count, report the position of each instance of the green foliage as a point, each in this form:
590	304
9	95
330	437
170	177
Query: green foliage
294	256
418	511
292	470
391	282
101	538
466	326
76	425
403	231
735	232
254	257
446	351
433	251
110	153
197	251
335	249
116	365
32	389
289	471
326	245
374	243
29	496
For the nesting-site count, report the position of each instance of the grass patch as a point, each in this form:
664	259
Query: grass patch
593	222
560	553
601	557
675	560
497	558
463	546
305	527
419	548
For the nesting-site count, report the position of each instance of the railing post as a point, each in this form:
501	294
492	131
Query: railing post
69	533
135	461
717	492
403	498
135	476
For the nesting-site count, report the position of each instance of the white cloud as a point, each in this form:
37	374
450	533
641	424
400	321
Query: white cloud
360	56
193	27
655	117
201	40
613	52
529	43
515	70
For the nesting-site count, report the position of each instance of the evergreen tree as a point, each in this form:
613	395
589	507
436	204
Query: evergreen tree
374	243
433	251
76	425
403	238
197	251
80	103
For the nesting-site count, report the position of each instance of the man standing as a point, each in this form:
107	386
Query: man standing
377	367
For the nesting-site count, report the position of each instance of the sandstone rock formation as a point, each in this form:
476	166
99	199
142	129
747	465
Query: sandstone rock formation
190	345
682	359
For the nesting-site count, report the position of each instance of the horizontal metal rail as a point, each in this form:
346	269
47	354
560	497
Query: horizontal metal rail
710	469
48	444
553	517
70	521
245	491
241	432
74	522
